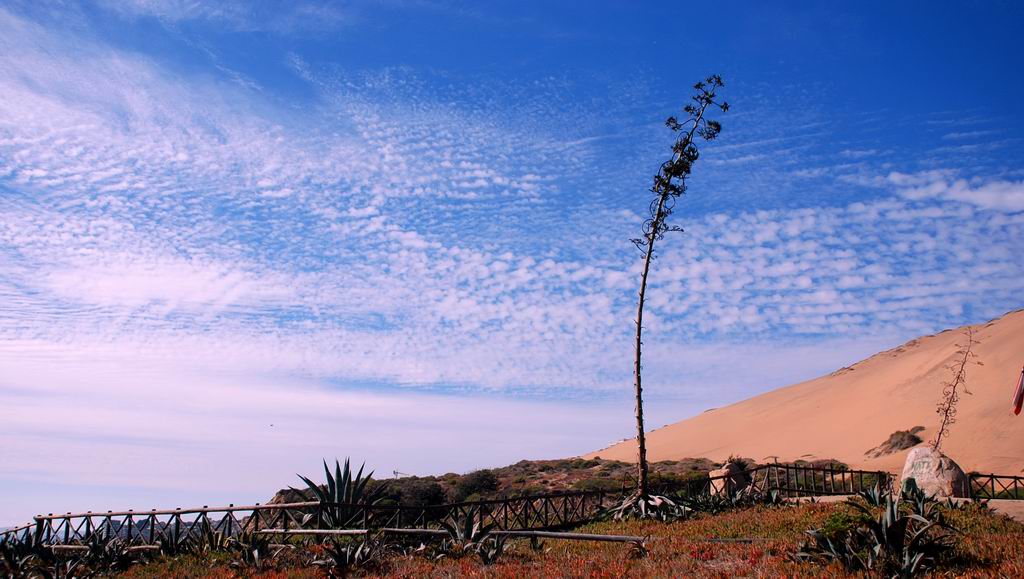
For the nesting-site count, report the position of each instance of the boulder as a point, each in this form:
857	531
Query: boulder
731	478
935	473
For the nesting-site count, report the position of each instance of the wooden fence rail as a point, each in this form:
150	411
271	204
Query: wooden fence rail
789	481
995	486
176	526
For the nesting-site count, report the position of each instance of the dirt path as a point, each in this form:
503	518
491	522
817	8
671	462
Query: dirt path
1014	509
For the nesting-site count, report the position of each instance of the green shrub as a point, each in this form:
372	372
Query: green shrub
838	524
480	482
597	484
417	492
526	491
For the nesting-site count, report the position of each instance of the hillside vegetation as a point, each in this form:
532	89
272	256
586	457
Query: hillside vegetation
526	477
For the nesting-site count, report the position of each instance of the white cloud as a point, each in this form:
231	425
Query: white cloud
958	135
175	283
286	17
997	195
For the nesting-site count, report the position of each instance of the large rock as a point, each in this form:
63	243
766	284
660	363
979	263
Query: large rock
935	473
731	478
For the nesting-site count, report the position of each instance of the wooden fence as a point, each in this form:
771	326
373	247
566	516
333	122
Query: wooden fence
551	511
995	486
798	481
790	481
538	512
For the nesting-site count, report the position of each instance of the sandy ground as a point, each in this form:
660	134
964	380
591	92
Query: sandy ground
853	410
1013	509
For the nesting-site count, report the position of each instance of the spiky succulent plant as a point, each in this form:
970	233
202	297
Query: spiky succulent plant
343	497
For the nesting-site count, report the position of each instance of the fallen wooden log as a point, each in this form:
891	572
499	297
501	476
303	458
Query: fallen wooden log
571	536
86	547
329	532
442	533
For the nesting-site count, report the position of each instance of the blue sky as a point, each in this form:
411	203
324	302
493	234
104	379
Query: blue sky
236	238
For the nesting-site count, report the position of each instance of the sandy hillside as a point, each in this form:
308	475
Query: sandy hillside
855	409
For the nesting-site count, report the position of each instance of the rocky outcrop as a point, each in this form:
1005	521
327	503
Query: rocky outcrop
290	495
935	473
731	478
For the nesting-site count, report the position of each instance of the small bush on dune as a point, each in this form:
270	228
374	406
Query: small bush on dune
744	463
669	483
415	492
597	484
526	491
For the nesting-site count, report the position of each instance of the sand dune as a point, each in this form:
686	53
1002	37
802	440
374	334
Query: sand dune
853	410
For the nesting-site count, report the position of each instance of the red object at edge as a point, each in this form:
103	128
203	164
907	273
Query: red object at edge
1018	395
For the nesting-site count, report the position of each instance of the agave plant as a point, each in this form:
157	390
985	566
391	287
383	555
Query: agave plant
209	540
710	503
920	503
108	554
650	507
72	568
343	497
176	543
342	557
892	541
824	548
466	533
254	550
873	496
774	498
491	549
951	504
16	558
637	550
902	540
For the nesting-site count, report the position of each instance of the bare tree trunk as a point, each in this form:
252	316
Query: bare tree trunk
641	438
669	184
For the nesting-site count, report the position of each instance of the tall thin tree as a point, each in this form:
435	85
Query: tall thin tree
669	184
